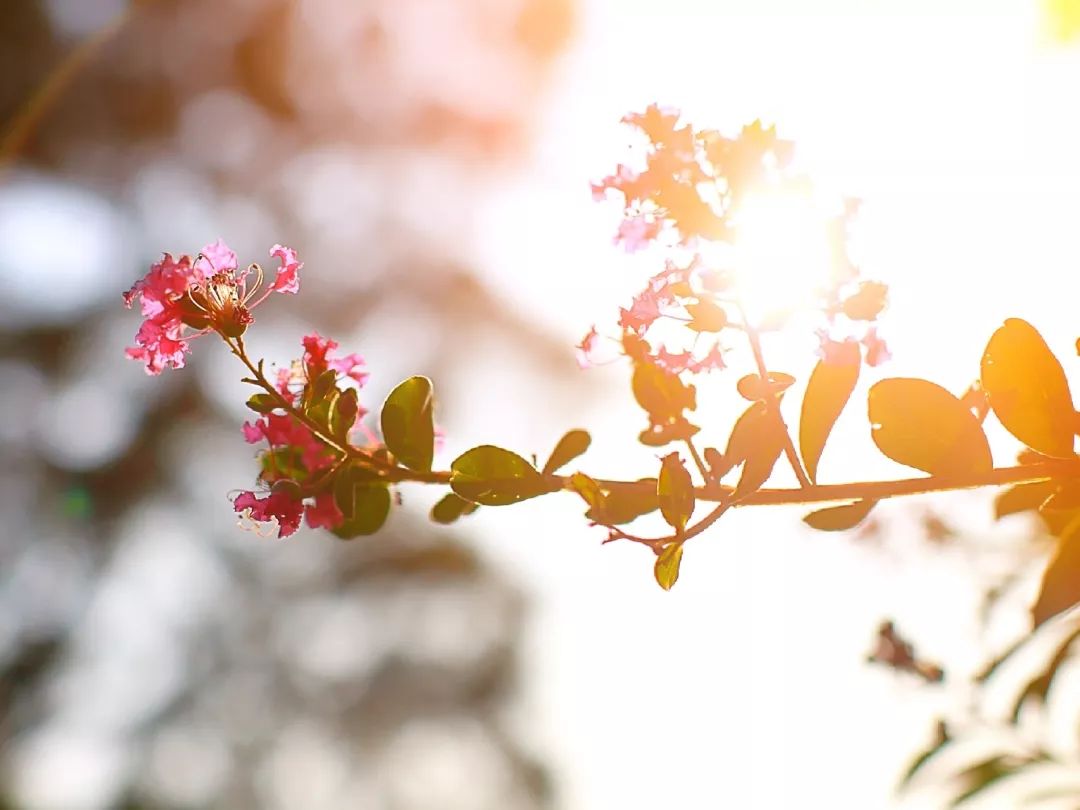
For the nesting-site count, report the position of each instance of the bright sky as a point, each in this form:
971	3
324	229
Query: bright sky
744	687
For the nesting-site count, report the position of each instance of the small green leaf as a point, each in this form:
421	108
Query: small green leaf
920	424
570	446
1022	498
407	424
827	392
262	403
343	417
495	477
1028	390
1060	588
840	518
451	507
363	501
666	569
705	316
675	492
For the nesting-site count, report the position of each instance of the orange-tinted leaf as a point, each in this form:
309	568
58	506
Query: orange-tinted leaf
1022	498
570	446
588	489
666	569
752	387
756	442
826	395
705	316
867	303
1060	588
920	424
675	492
840	518
1027	389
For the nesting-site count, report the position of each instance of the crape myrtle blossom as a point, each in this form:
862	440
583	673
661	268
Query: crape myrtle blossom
181	299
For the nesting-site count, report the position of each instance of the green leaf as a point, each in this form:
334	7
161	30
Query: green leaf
1060	588
570	446
920	424
262	403
705	316
407	424
827	392
343	417
1022	498
589	491
495	477
451	507
666	569
363	501
840	518
675	493
626	503
1028	390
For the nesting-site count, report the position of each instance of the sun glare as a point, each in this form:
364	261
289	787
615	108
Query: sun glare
781	252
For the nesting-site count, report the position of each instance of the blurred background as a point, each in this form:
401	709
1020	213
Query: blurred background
430	161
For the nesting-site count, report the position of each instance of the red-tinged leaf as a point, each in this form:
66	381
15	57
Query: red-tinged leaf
570	446
920	424
675	492
1060	588
1027	389
666	569
840	518
827	392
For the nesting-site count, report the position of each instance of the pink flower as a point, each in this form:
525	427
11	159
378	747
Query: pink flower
282	505
159	345
285	430
317	359
585	348
288	279
324	513
216	258
635	232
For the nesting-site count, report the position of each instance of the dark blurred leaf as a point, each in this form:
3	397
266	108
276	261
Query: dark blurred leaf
363	501
840	518
495	477
1060	588
666	569
827	392
343	417
570	446
1028	390
1022	498
920	424
982	775
451	507
1038	687
626	503
675	493
407	424
661	393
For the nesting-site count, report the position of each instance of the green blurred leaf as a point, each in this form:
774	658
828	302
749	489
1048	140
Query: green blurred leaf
364	501
343	417
451	507
570	446
1022	498
262	403
827	392
920	424
675	492
840	518
1060	588
1028	390
407	424
493	476
666	569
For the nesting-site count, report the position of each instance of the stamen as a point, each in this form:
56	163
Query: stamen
247	295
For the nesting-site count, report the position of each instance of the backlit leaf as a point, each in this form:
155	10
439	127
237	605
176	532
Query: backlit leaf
363	501
1022	498
920	424
675	492
661	393
756	442
827	393
1060	588
666	569
495	477
451	507
626	503
407	424
705	316
570	446
1027	389
840	518
262	403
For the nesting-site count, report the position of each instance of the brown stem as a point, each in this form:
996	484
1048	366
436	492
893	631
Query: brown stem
697	460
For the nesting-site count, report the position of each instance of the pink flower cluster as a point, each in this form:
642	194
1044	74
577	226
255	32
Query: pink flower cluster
182	299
